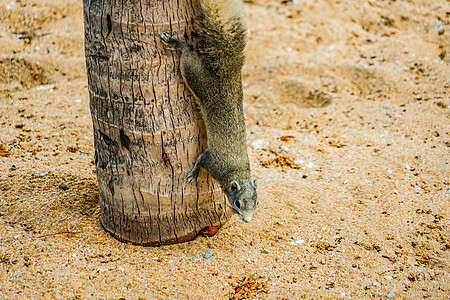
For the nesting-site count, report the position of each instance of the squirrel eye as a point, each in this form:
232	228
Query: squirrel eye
237	203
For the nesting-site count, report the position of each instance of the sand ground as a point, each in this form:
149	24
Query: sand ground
350	98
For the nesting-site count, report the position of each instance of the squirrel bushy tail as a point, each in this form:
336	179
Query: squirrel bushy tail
222	36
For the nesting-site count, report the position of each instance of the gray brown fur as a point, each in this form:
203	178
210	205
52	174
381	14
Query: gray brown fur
213	74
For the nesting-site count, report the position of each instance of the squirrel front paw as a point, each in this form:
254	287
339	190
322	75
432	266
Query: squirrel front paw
193	174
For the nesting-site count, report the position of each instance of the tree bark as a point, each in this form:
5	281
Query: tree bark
147	128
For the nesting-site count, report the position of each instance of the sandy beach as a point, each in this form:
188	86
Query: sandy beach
348	129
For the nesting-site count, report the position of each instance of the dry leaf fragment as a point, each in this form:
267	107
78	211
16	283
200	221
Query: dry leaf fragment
286	138
281	160
5	152
336	144
249	287
72	149
209	231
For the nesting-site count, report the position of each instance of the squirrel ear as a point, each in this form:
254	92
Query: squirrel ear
255	183
235	186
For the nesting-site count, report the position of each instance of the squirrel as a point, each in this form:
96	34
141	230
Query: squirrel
212	72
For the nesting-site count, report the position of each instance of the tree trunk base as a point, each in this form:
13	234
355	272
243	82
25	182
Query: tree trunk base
157	230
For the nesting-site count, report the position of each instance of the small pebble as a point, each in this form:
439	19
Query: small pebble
311	249
27	261
49	87
260	144
297	242
77	285
310	165
64	186
391	294
299	161
45	87
440	28
208	254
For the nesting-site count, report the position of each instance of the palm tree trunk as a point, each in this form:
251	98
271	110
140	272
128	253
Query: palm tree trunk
147	128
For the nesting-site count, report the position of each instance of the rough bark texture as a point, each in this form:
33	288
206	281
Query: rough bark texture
147	128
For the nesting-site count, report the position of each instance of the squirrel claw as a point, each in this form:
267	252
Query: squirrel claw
166	39
192	174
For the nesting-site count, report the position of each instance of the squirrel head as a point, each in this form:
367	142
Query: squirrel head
242	196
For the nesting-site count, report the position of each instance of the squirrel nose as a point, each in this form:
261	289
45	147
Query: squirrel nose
246	216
